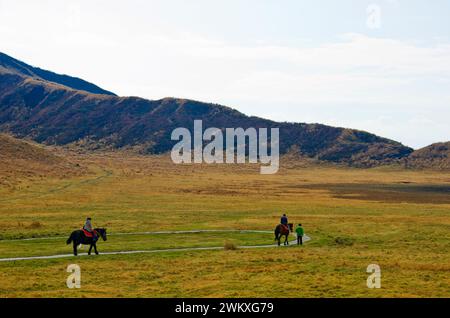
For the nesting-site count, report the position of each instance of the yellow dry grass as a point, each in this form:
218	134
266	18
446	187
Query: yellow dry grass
350	229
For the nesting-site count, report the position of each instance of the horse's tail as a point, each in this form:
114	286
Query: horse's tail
276	233
70	239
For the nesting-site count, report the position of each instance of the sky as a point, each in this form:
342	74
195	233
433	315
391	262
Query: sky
381	66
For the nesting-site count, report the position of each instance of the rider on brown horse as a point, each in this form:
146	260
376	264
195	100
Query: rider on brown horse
283	229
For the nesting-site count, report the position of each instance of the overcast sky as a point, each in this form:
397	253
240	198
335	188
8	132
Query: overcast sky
381	66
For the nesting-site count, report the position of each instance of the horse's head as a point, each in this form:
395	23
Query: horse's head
291	227
102	233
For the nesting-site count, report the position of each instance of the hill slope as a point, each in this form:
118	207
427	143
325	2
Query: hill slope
12	65
21	159
434	156
52	113
14	149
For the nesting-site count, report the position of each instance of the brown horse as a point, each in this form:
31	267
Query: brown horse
283	230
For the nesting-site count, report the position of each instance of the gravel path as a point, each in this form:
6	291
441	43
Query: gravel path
186	249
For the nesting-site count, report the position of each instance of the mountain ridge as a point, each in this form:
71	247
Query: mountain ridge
20	67
52	113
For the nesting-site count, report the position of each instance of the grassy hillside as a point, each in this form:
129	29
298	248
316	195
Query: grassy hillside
399	219
434	156
21	160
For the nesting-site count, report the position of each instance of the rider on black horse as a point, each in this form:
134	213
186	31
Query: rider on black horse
89	228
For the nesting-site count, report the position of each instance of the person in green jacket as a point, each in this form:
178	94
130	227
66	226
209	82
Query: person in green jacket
300	232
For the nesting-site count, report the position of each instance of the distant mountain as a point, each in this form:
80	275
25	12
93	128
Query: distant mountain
434	156
10	64
52	112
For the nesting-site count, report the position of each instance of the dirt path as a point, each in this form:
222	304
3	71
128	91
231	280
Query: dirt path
186	249
34	195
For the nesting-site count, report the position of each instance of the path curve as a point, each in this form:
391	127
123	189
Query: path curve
185	249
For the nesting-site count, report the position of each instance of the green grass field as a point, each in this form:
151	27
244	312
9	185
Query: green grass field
399	219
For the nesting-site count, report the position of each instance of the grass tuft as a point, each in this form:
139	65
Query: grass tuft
343	241
35	225
230	246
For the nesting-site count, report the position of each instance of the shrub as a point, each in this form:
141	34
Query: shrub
343	241
230	246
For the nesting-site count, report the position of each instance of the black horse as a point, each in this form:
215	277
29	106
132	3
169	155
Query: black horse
282	230
78	237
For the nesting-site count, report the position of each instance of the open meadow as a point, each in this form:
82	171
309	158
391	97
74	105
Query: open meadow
390	216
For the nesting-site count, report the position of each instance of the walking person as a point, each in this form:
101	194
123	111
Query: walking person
300	232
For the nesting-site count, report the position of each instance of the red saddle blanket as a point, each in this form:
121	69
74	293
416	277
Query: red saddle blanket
87	233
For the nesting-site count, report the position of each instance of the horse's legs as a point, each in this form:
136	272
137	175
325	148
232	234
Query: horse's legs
277	236
95	248
75	248
90	249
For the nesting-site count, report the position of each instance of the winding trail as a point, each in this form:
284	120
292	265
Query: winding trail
185	249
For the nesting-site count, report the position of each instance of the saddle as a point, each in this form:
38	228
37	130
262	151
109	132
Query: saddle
285	227
88	234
